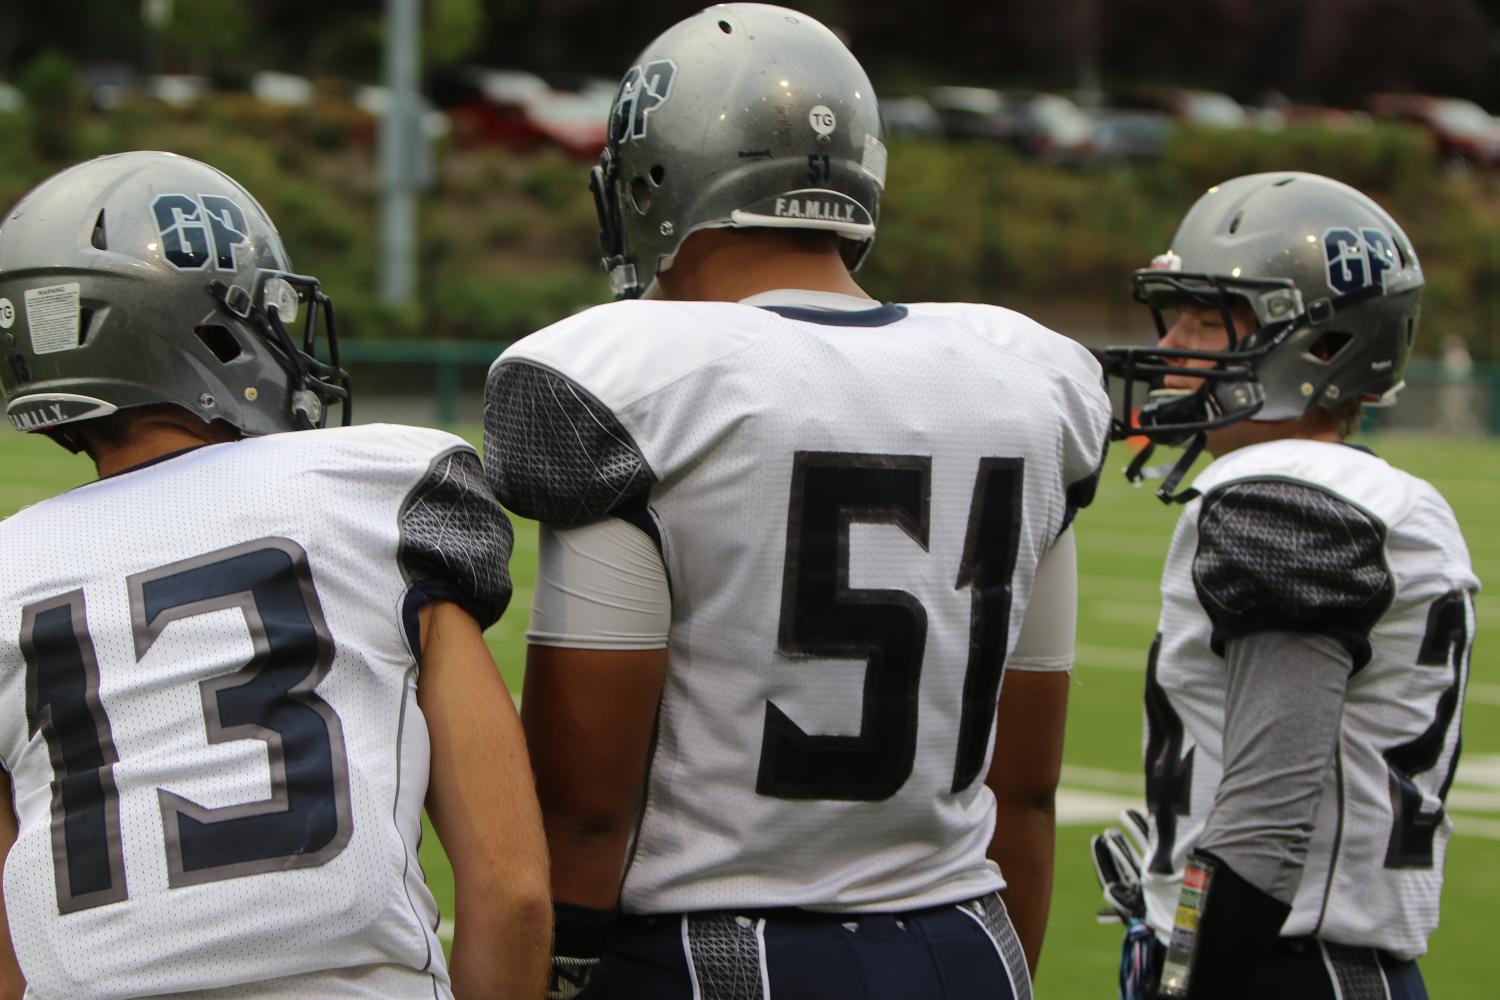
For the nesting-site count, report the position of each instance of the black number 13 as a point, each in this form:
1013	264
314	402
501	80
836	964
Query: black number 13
306	822
822	616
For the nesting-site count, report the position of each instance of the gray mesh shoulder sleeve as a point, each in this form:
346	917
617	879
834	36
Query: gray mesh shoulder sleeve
552	451
1285	556
455	539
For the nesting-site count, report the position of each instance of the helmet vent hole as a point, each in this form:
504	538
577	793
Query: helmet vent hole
85	323
220	341
1234	226
658	174
99	238
726	27
1330	344
1284	182
640	195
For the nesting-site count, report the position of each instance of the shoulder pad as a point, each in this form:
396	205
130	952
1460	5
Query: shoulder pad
455	540
1288	556
553	452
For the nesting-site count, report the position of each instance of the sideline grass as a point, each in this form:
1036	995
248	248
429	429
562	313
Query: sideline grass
1122	541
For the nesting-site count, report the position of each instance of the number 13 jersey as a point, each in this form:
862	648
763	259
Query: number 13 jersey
207	709
850	506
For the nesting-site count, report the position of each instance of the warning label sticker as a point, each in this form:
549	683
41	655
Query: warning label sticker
52	316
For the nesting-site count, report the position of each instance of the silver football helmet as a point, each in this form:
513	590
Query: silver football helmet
148	277
1333	282
743	115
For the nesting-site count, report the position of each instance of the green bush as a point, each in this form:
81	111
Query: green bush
53	90
1382	157
508	241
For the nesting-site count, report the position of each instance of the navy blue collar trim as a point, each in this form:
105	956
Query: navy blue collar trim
155	461
882	315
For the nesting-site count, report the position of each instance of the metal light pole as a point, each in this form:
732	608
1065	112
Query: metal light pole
401	152
155	14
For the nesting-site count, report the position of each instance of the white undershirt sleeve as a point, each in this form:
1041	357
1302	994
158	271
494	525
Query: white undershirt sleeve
600	586
1048	631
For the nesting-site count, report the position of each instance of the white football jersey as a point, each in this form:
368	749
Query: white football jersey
1293	535
208	671
851	507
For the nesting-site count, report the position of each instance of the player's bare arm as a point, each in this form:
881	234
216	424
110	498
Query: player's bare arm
1024	776
1027	762
588	716
482	805
12	983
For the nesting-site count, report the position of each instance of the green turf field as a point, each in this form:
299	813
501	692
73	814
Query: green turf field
1122	541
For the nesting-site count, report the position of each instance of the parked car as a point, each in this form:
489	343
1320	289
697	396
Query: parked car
521	111
282	89
976	113
1054	129
1464	134
914	116
1130	137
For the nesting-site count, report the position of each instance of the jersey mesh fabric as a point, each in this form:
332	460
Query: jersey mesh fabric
1287	556
451	529
720	399
1347	892
560	456
363	915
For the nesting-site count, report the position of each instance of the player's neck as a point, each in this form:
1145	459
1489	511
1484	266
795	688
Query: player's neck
1311	427
727	266
150	442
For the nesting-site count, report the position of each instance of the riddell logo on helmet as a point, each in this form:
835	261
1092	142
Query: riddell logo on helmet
798	208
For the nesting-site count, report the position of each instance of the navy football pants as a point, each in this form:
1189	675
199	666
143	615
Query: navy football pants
962	952
1308	969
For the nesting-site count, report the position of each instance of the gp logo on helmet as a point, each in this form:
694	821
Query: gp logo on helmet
1357	259
641	92
190	227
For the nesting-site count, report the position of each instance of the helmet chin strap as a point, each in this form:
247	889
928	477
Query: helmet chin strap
1166	492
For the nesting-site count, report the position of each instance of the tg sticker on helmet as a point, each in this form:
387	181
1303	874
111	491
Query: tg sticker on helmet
822	120
7	314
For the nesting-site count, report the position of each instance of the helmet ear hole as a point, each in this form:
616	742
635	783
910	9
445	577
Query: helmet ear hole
640	195
220	341
1330	344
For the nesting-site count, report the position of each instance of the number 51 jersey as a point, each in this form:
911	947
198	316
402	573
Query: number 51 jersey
208	669
850	506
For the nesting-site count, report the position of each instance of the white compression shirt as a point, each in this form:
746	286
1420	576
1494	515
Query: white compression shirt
604	586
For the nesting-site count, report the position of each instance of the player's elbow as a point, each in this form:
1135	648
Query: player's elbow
1038	797
517	895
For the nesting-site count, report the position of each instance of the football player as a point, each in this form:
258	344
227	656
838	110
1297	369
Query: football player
790	538
1305	689
233	668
